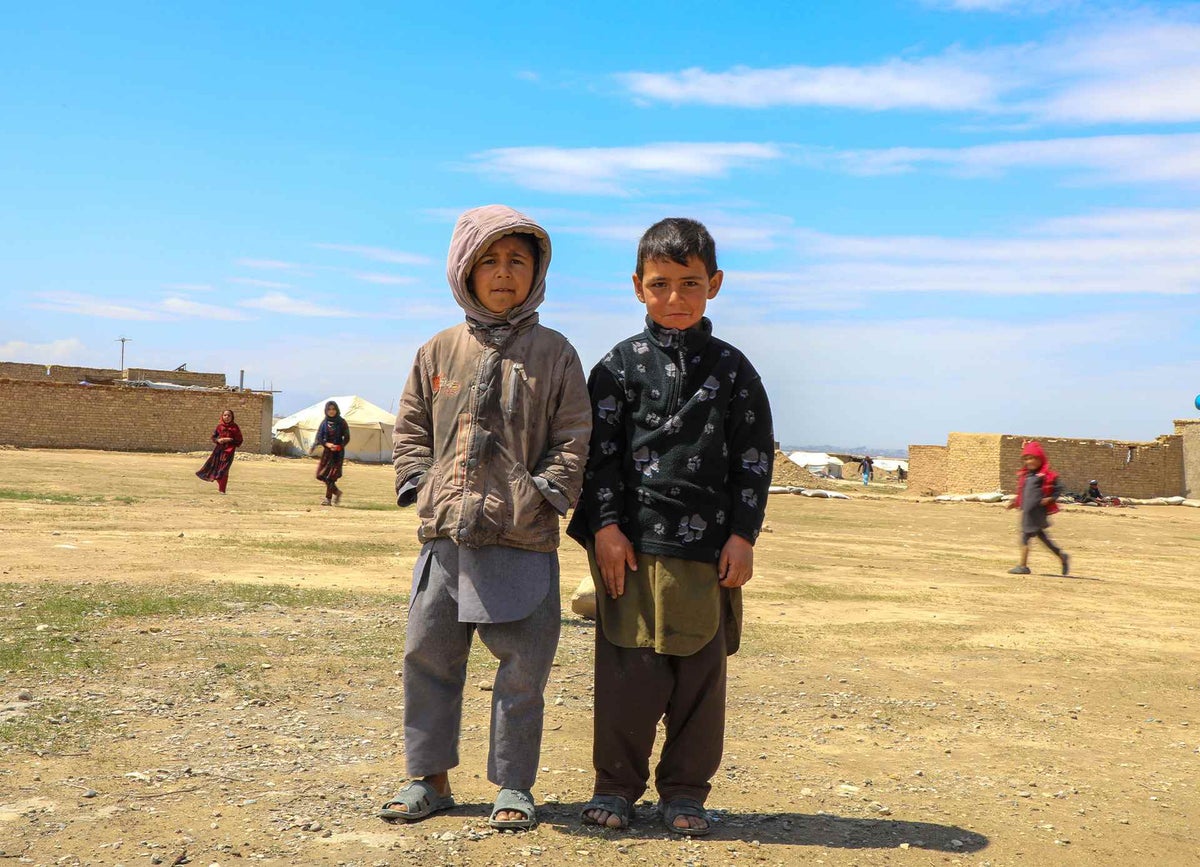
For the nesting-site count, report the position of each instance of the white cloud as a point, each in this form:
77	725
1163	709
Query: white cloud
938	83
382	279
262	284
1134	67
271	264
277	302
616	171
1099	159
378	254
55	352
196	310
87	305
1034	6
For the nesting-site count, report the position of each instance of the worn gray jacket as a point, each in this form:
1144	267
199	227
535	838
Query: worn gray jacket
492	430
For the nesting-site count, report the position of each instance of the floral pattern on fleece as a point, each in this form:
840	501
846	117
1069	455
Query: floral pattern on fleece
681	447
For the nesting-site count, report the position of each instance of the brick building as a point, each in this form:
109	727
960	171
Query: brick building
99	408
979	463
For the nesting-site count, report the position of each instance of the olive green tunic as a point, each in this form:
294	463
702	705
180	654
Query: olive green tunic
670	605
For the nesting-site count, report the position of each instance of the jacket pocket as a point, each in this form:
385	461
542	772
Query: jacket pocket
427	493
530	511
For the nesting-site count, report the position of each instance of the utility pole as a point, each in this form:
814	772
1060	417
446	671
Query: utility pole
123	341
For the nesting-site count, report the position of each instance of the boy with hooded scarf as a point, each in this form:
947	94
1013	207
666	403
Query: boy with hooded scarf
1038	489
490	443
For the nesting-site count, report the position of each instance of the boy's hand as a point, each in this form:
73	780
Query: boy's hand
614	552
736	565
1012	504
1046	501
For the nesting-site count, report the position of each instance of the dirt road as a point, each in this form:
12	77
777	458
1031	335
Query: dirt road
216	679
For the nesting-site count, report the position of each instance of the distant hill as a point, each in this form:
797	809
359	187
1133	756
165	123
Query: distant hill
850	450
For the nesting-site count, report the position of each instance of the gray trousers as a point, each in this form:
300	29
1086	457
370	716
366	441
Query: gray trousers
436	646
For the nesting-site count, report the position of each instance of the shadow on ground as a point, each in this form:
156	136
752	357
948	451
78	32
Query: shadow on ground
791	829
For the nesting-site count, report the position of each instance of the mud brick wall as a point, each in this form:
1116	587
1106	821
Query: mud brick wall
121	418
972	463
1188	430
178	377
927	469
1123	469
57	372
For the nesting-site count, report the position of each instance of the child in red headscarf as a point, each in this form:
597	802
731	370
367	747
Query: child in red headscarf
1038	490
226	438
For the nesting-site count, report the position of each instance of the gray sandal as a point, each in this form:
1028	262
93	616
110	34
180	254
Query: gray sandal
517	800
613	804
420	799
672	810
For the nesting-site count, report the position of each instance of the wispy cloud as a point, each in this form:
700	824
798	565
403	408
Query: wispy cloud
617	171
378	254
277	302
196	310
938	83
382	279
263	284
54	352
1113	253
1099	159
88	305
1032	6
1129	68
271	265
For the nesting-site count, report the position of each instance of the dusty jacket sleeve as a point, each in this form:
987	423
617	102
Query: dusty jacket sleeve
751	453
601	499
559	474
412	438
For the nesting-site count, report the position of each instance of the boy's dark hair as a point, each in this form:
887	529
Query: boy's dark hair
677	239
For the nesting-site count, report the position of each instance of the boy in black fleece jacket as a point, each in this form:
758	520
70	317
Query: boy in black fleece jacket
673	501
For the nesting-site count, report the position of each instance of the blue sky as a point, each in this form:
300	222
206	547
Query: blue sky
933	215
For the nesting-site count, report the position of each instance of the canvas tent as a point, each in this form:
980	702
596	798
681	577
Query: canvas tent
818	463
370	430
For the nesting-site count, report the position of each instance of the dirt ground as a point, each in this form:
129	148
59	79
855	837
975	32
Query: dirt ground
191	678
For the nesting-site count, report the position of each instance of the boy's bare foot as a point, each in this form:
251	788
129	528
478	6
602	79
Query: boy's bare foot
603	818
441	782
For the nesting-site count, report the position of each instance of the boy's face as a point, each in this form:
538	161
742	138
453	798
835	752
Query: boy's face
503	276
1032	462
675	295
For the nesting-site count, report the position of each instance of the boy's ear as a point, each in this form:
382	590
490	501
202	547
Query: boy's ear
637	289
714	284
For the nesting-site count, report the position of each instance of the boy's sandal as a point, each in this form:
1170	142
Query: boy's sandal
672	810
515	800
420	800
612	804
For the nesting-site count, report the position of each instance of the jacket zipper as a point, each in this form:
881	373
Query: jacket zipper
518	370
677	389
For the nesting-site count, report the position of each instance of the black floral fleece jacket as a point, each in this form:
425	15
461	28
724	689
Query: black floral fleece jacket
681	446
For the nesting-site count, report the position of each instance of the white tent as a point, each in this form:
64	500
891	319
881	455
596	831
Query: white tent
818	463
890	465
370	430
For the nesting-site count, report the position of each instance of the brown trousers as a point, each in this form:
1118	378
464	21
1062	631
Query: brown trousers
635	688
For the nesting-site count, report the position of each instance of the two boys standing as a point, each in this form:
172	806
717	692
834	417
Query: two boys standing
491	444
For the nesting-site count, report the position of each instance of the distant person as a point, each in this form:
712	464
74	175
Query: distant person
676	489
902	472
868	469
490	443
1093	494
225	438
333	435
1038	490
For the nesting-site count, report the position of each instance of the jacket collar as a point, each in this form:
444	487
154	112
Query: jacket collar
693	339
498	335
